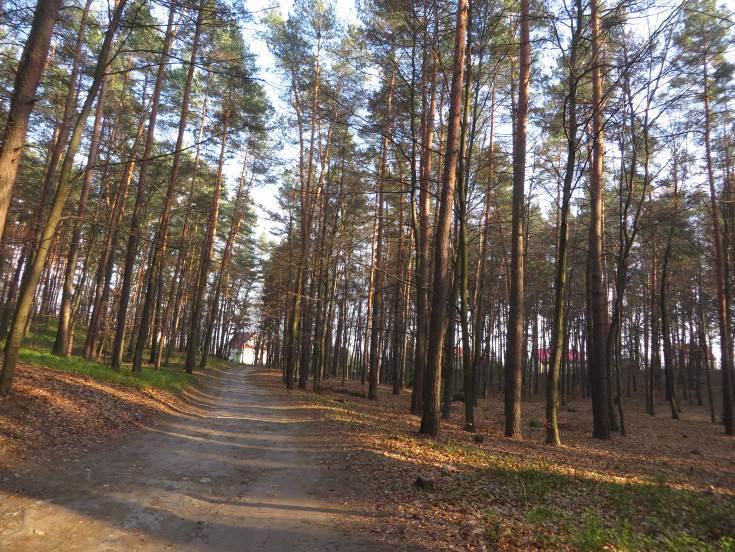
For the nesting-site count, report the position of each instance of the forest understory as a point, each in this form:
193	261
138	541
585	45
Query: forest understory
670	485
55	415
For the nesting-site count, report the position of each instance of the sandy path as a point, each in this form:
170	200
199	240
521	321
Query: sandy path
246	472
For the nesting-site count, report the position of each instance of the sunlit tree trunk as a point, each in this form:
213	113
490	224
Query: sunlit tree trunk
437	323
399	321
185	258
225	261
559	330
467	136
27	77
378	290
720	258
423	276
152	288
116	207
60	142
479	301
597	293
65	310
207	248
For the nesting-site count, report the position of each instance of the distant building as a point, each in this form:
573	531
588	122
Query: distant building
544	355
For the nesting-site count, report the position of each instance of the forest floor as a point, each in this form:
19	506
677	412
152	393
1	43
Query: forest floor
52	413
62	404
668	485
235	464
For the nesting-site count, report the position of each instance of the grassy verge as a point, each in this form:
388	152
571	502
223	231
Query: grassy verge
170	380
40	340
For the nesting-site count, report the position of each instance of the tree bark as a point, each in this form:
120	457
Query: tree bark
207	249
27	77
140	196
437	327
559	330
423	276
597	293
720	257
65	310
515	347
161	239
379	270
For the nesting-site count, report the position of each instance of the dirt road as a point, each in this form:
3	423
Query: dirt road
243	470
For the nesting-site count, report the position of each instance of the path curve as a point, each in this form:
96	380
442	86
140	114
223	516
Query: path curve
245	470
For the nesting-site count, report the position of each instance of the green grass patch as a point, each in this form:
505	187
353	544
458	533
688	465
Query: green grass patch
592	535
543	513
534	485
495	528
42	335
178	361
39	342
590	514
168	379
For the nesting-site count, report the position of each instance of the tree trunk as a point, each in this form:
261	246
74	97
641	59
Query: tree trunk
140	197
720	257
106	259
597	293
184	260
27	77
559	330
65	310
399	322
161	239
665	331
515	351
423	276
463	263
437	326
207	249
655	360
226	256
378	284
